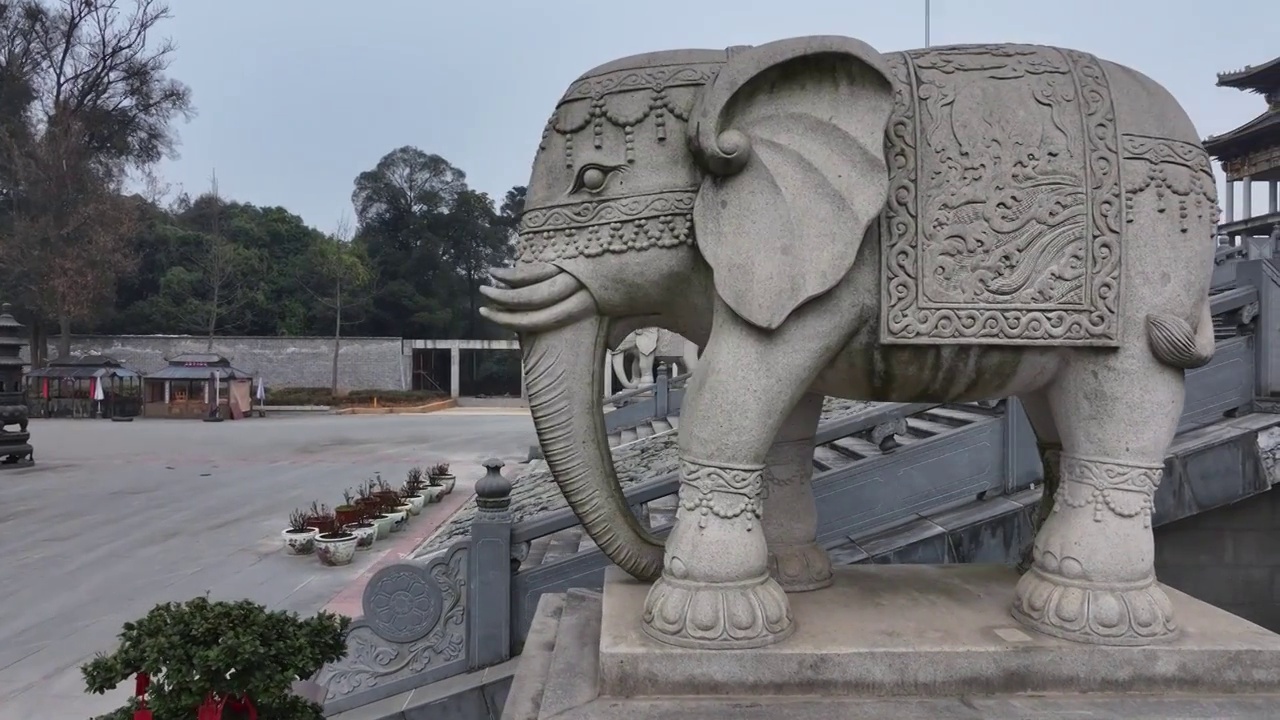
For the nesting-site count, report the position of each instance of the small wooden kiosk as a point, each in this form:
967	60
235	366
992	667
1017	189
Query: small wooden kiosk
83	386
188	387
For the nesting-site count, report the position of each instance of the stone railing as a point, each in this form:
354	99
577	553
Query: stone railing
659	400
468	605
434	617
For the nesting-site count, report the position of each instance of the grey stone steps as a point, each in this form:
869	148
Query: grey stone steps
649	428
662	511
563	544
955	416
927	428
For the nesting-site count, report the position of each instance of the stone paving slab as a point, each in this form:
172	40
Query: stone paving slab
116	517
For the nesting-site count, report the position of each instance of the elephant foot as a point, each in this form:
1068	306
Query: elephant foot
1092	578
800	568
723	615
1131	614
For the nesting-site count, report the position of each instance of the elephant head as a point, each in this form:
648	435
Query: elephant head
668	182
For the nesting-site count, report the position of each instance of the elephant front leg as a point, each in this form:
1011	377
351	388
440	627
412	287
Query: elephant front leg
791	517
716	590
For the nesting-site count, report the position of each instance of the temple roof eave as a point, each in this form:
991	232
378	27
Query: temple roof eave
1257	78
1225	144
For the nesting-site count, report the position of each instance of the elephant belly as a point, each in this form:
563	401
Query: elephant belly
1006	205
938	373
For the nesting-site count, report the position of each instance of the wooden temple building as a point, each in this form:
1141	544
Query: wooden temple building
84	386
193	384
1251	154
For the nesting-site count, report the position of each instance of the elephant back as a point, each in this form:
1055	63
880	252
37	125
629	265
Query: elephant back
1006	207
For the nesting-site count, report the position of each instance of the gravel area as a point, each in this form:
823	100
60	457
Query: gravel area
534	492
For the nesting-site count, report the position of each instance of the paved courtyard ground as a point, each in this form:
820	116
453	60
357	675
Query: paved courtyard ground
116	517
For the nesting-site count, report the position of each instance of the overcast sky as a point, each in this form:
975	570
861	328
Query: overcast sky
297	97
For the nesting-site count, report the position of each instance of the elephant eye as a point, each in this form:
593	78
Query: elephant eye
592	177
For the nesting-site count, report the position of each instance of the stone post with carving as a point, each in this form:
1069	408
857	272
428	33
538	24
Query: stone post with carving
489	571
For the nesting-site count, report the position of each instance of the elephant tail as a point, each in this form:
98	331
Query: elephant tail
1176	344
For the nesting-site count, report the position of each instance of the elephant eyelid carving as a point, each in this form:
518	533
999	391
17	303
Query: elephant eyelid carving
592	177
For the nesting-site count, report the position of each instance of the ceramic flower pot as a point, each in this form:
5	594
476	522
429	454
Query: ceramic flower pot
434	493
399	519
416	502
365	534
299	542
336	548
382	523
446	481
407	509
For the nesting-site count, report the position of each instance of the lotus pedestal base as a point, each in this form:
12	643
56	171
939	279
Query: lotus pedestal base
904	641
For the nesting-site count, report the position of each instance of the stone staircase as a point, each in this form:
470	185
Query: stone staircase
648	428
837	454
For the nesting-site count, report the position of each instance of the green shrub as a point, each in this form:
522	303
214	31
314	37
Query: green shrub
233	648
354	398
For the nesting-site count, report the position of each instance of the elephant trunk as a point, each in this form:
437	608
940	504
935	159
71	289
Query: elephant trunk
564	339
569	419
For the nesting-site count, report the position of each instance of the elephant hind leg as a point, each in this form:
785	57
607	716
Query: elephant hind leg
1049	445
790	516
1092	578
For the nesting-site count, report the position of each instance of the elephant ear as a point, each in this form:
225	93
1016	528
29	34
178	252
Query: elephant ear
791	135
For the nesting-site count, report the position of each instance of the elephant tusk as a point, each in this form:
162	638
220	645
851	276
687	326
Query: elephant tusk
579	305
533	297
522	276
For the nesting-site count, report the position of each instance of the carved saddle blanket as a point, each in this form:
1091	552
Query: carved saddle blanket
1004	216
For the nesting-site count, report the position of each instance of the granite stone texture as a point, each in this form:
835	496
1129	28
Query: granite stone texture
754	176
903	635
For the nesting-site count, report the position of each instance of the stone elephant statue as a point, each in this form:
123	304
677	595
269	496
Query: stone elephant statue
947	224
643	343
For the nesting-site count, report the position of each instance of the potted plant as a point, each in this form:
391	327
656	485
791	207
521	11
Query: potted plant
298	538
365	499
201	647
411	491
336	548
365	531
440	471
320	518
434	490
384	492
390	502
346	513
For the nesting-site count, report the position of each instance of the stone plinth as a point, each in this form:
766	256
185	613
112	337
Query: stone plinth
899	641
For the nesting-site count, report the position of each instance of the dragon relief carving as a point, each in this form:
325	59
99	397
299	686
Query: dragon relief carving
1177	172
1001	227
373	661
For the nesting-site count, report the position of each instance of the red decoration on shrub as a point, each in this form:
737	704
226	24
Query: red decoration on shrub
213	706
143	682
